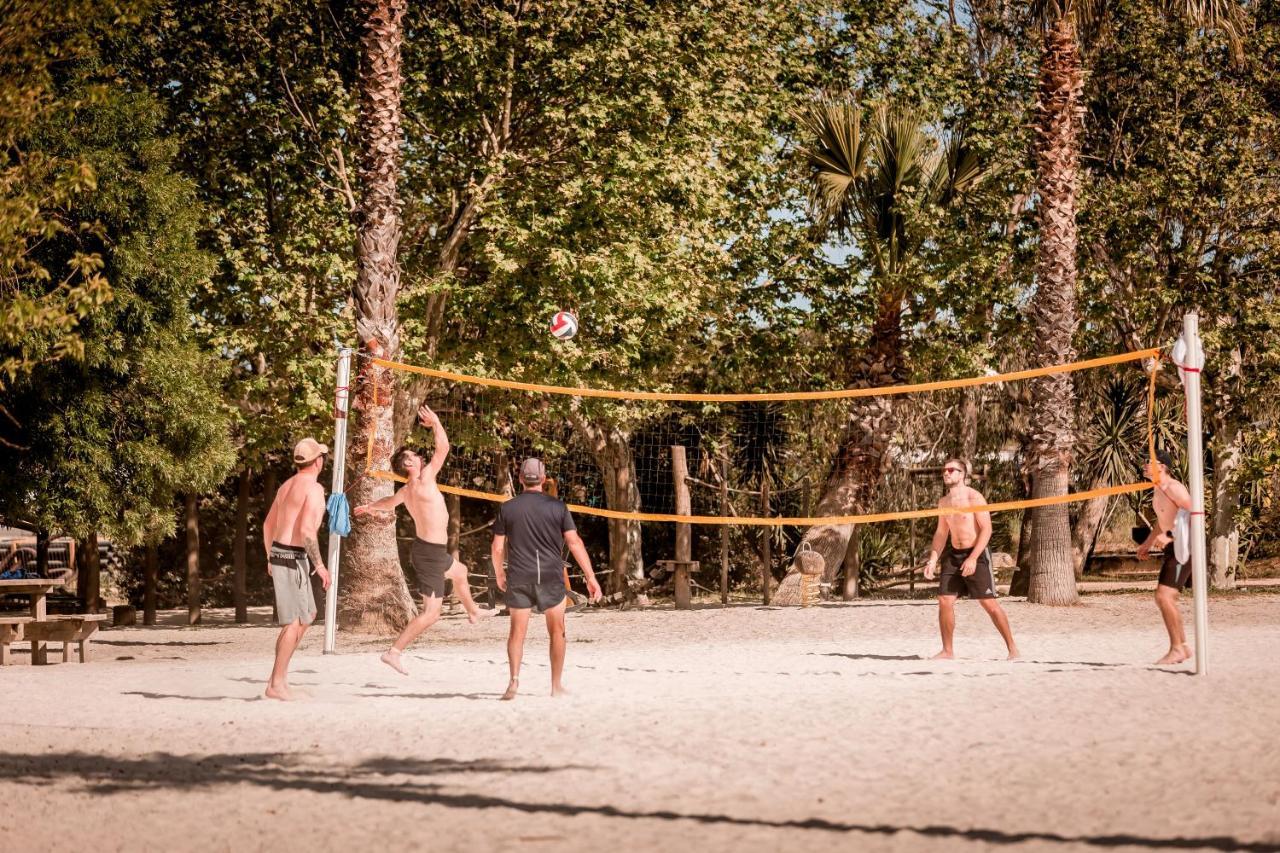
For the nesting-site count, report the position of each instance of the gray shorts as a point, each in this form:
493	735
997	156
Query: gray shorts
291	577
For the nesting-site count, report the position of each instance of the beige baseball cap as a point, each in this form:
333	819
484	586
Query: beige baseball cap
532	471
306	451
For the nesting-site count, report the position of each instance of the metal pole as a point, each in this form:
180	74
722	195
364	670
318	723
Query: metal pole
340	400
1195	468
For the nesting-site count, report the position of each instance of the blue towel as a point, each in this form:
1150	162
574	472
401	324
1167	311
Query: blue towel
339	514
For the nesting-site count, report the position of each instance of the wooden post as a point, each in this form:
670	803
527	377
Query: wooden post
149	585
724	533
193	560
914	556
766	547
239	566
684	541
453	538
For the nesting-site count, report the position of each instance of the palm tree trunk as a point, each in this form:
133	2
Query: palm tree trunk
375	597
1053	310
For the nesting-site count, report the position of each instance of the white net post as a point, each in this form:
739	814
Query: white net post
340	400
1195	483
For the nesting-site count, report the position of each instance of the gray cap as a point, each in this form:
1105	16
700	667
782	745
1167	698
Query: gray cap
532	471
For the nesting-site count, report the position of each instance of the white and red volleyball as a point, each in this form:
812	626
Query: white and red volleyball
564	325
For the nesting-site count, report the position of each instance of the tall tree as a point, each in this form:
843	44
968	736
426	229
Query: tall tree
877	175
375	595
1067	27
111	439
43	296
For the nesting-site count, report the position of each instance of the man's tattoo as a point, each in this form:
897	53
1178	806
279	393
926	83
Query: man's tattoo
313	552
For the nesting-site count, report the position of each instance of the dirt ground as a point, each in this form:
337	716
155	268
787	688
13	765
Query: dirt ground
714	729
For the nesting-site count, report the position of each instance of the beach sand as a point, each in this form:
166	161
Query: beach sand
744	728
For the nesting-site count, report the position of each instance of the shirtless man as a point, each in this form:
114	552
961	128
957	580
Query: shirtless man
961	541
289	535
430	555
1172	504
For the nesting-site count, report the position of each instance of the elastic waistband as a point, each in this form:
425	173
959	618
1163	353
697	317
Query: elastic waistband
289	549
955	550
433	545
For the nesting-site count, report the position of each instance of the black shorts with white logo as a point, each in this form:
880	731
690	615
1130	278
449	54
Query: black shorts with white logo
980	584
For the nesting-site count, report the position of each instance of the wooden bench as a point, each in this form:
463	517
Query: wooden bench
10	632
65	629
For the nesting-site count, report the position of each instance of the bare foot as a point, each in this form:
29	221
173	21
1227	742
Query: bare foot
511	690
391	657
282	693
944	655
476	614
558	690
1173	656
1014	654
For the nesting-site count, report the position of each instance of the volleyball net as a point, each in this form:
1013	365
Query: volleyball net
762	459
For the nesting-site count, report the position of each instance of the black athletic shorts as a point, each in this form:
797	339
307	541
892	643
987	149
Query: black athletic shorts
522	595
1173	574
980	584
430	561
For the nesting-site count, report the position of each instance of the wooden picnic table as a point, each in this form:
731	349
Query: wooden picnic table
38	627
37	588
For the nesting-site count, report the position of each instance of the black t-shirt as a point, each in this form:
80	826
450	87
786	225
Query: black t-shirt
534	524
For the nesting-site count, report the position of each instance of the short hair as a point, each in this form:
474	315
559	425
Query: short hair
397	459
1163	457
965	468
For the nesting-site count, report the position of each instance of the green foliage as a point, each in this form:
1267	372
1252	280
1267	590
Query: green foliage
43	295
106	442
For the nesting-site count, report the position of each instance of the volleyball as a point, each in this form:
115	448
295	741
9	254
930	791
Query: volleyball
564	325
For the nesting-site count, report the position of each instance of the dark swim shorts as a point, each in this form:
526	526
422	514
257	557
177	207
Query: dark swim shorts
525	594
980	584
1172	573
430	561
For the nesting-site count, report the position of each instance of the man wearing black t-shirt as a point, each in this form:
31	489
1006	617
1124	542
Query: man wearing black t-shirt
530	532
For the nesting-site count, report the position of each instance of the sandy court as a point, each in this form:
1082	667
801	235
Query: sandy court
737	729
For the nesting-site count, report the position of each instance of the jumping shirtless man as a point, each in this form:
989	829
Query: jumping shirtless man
430	555
1172	504
961	540
289	534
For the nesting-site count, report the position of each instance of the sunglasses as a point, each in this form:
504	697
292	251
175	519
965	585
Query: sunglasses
952	470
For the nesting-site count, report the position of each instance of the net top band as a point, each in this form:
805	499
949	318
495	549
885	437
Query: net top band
777	396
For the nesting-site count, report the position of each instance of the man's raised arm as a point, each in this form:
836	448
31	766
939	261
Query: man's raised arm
428	418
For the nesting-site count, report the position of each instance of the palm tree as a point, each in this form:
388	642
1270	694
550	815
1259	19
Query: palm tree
375	597
1068	25
869	170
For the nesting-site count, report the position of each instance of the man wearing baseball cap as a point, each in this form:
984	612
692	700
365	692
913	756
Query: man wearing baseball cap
530	533
293	554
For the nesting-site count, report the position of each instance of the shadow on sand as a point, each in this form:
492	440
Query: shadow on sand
105	775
